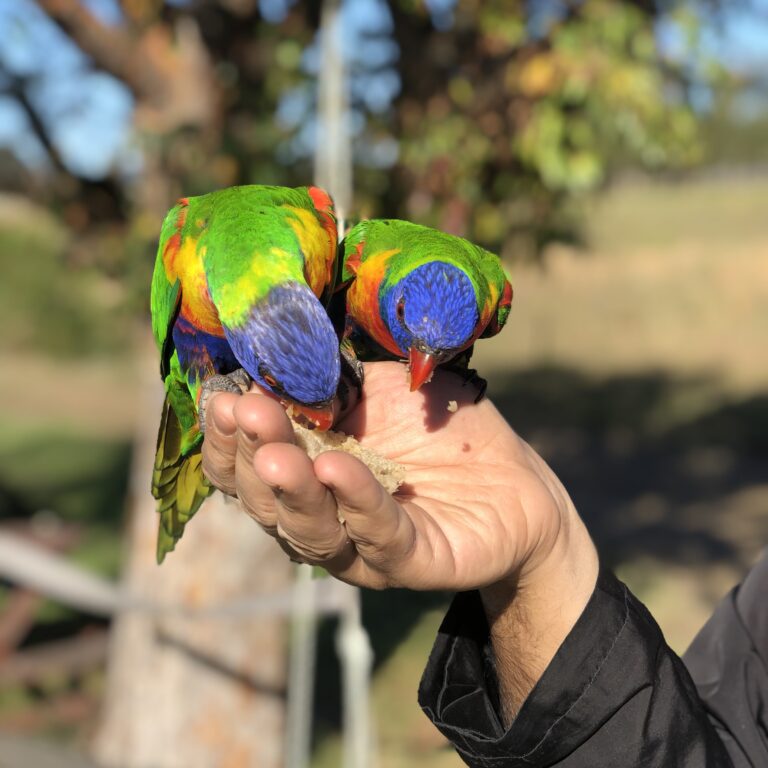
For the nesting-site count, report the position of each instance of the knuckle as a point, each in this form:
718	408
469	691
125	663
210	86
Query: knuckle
218	467
388	554
317	548
246	450
221	481
262	513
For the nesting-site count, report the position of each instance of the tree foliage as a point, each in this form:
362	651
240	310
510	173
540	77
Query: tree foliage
519	113
506	110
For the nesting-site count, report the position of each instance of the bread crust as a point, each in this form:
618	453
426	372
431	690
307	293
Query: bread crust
389	473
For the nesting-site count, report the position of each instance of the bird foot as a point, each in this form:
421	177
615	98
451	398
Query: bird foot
350	390
238	382
471	376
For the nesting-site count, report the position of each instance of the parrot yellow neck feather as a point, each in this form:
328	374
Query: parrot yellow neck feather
314	238
183	261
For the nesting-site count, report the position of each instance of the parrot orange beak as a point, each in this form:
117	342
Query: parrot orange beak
320	418
422	367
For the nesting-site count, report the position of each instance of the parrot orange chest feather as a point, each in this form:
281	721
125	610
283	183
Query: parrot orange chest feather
183	261
363	298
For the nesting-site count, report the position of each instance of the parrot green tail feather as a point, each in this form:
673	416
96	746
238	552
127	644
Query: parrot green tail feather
178	482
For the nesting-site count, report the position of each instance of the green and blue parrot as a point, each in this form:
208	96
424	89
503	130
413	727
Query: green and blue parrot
419	294
239	289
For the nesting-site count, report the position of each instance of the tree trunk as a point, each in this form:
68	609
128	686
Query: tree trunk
194	693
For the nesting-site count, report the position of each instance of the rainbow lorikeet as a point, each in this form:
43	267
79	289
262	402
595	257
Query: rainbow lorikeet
236	295
421	295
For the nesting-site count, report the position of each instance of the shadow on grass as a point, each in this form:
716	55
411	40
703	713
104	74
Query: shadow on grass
652	462
389	616
81	483
80	480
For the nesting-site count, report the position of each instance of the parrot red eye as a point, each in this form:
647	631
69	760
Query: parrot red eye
270	381
400	310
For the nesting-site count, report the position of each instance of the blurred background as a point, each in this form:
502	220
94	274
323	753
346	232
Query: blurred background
615	153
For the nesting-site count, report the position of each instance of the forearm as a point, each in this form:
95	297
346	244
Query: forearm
613	694
528	618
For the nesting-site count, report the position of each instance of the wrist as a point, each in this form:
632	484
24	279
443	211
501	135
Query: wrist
530	614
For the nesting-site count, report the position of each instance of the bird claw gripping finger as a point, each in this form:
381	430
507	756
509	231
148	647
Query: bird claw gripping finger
470	376
238	382
350	390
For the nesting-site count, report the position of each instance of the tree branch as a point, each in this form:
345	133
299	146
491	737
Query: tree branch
112	49
16	87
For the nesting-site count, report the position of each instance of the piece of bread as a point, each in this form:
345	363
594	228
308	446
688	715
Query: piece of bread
389	473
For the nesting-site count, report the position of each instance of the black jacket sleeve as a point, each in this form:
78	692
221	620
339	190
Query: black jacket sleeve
614	694
729	662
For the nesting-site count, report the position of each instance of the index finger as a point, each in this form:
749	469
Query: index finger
395	541
220	442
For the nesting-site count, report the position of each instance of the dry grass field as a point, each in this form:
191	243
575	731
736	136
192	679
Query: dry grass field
639	368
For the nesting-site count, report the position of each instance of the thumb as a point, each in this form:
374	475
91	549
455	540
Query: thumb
381	529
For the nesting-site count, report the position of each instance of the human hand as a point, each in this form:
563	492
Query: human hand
480	509
479	505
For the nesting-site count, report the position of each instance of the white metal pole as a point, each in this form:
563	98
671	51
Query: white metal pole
301	671
333	153
356	654
333	171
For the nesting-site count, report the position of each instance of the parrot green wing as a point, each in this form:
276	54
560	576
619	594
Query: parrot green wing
405	245
293	231
178	482
503	307
166	292
353	251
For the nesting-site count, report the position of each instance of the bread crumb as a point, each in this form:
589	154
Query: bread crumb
389	473
452	406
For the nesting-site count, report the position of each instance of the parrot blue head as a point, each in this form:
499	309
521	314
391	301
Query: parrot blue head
288	346
432	314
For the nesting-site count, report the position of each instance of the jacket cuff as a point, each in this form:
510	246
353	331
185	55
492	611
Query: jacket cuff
574	696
